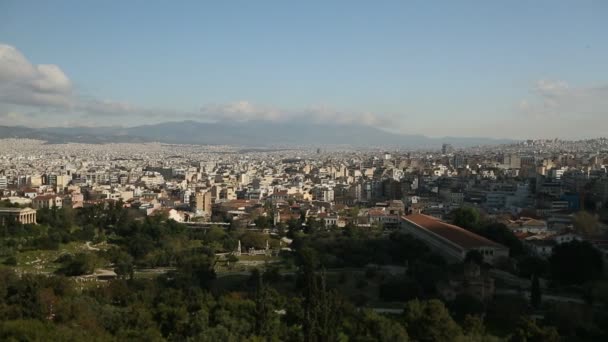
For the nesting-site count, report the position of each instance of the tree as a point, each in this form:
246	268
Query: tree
373	327
586	223
574	321
576	262
320	314
195	268
262	222
535	293
504	312
529	331
123	265
465	305
532	265
498	232
473	327
465	217
400	289
430	321
254	239
232	259
81	263
264	313
10	261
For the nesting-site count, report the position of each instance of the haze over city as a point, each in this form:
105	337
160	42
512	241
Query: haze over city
516	70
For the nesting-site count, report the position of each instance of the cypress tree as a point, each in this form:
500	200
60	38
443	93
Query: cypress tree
535	293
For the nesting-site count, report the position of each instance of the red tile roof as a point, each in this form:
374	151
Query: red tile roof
44	197
455	234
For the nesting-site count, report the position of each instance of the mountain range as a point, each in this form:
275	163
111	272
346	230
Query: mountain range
252	133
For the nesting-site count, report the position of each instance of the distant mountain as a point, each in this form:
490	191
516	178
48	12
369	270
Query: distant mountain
253	133
64	135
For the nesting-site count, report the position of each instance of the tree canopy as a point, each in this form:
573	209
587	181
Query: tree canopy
576	262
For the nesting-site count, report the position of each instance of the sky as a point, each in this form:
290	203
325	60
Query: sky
508	69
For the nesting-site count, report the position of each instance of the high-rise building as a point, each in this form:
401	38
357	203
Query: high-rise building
458	162
512	161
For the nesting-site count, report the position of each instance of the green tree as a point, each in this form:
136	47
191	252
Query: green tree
465	217
535	293
586	223
265	318
430	321
464	306
123	265
532	265
262	222
529	331
80	264
195	268
254	239
370	326
10	261
473	327
320	304
576	262
498	232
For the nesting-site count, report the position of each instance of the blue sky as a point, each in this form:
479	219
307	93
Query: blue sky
459	68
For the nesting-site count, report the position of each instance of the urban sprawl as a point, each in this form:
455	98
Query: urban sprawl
508	213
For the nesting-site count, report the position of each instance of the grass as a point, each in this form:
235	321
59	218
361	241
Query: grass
42	261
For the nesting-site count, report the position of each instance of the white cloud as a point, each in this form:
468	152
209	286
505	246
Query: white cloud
557	99
551	88
41	92
23	83
558	109
242	111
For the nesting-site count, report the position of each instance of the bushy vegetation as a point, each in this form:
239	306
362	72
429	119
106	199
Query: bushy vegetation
323	291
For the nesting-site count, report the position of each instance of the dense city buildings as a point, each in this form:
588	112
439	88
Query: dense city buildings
548	180
459	224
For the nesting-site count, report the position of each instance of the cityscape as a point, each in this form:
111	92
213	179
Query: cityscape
385	213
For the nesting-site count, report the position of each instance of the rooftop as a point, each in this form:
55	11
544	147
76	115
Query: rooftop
15	210
455	234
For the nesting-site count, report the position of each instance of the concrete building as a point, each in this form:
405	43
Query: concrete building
512	161
446	148
21	215
458	161
201	201
324	194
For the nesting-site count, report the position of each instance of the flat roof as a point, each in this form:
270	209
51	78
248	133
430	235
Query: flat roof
455	234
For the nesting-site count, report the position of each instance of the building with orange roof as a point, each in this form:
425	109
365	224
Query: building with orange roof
451	241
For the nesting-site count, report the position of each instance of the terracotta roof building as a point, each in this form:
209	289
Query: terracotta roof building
451	241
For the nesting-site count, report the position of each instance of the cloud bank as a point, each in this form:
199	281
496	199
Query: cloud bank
558	109
23	83
556	99
42	94
45	90
246	111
